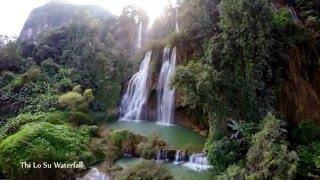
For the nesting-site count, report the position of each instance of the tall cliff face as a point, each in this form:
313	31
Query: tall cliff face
55	14
301	91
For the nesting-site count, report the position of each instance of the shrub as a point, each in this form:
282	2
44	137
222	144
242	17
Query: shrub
80	118
148	149
223	153
70	100
269	156
87	100
28	63
145	170
233	172
14	124
282	18
88	96
25	78
119	136
42	142
75	101
30	75
111	114
65	85
50	67
126	141
6	78
311	22
39	102
103	149
88	157
305	133
145	150
77	89
309	159
10	58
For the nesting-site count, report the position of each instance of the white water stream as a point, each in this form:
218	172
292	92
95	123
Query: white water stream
139	37
165	93
134	101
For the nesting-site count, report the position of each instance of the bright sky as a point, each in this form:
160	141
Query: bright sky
13	13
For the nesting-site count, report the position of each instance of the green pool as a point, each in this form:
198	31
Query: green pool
177	136
179	172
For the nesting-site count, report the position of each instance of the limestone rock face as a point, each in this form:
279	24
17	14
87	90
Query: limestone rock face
301	91
55	14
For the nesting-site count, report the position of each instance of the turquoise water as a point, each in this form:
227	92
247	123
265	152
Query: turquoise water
177	136
179	172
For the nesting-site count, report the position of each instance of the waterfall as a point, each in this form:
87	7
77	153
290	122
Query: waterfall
179	157
139	38
198	162
293	14
136	96
274	7
159	155
177	24
166	94
162	155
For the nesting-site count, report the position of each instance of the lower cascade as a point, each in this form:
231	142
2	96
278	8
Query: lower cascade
95	174
198	162
162	155
166	94
165	155
180	157
135	99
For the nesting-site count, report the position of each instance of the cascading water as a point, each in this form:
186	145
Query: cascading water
136	96
162	155
198	162
274	6
294	14
177	24
166	94
95	174
139	38
179	157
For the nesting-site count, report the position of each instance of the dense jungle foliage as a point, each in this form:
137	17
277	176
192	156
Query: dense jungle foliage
55	89
236	61
249	69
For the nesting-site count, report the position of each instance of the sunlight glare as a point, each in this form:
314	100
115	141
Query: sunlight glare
153	8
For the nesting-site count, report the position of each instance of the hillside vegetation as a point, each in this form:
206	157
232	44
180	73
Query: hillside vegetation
248	77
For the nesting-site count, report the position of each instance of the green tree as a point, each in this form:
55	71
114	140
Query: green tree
246	42
269	155
10	58
222	153
197	82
